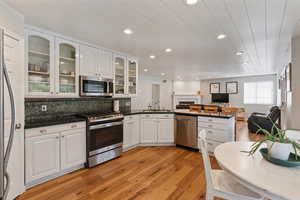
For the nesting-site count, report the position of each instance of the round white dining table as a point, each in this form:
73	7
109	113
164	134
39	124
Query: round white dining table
270	180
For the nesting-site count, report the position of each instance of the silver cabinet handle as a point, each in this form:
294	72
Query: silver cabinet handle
43	131
210	120
100	126
74	126
18	126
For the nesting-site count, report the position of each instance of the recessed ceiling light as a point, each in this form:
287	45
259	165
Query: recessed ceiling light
127	31
152	56
221	36
145	70
190	2
163	74
168	50
239	53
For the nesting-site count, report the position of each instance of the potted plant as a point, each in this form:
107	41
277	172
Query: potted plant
278	144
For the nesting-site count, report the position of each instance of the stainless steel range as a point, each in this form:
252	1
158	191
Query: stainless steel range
104	136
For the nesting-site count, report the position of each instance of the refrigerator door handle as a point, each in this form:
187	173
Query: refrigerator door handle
12	126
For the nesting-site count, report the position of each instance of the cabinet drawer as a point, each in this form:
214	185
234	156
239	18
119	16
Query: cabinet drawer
156	116
212	120
217	135
131	117
165	116
212	125
53	129
211	146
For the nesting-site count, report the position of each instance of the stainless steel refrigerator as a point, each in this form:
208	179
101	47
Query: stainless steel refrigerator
5	150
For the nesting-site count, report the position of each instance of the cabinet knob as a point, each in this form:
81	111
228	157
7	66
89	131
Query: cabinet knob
62	136
73	126
18	126
57	137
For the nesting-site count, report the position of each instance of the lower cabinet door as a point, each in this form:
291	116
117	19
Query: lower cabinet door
149	131
165	131
73	148
42	156
127	134
135	139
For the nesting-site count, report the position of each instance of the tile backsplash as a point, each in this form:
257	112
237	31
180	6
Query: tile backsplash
70	106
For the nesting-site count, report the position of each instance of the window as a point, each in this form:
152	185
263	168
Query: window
258	92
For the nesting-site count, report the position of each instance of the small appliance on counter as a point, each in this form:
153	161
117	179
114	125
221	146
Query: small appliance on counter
116	106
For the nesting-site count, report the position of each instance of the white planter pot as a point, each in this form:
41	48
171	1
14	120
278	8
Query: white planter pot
280	150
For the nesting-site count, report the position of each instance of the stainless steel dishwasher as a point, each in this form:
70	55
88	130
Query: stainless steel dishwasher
186	131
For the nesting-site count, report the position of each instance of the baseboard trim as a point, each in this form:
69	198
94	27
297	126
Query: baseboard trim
53	176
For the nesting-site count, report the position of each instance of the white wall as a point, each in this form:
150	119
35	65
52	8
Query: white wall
186	87
10	19
144	97
236	100
293	98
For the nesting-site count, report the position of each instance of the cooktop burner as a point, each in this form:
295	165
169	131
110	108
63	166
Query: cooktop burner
98	117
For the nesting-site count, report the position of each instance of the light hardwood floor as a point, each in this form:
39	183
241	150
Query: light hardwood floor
148	173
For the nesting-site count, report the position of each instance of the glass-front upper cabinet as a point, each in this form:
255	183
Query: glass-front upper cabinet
67	60
132	76
120	75
40	69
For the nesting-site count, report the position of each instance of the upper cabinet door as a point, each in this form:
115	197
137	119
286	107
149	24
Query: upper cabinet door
67	67
89	61
132	76
106	66
120	75
40	64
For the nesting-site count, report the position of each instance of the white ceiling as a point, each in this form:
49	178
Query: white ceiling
261	28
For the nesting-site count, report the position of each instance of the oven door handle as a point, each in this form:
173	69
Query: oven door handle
93	127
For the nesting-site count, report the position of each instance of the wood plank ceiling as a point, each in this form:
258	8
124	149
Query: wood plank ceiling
260	28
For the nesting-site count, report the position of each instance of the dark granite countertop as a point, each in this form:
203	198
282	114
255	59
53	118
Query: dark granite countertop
179	112
52	120
135	112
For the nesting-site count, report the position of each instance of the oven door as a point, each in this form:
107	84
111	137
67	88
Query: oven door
104	137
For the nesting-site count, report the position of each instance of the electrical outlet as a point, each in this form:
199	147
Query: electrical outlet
44	108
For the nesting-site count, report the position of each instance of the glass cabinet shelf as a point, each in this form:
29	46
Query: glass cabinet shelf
38	64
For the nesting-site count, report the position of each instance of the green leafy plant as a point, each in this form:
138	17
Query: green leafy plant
276	135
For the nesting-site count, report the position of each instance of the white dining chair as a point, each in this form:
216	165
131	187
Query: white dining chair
219	183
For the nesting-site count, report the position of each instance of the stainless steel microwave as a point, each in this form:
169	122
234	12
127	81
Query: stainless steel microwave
95	86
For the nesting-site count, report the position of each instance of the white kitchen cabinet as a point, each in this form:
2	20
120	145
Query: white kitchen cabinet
120	75
89	61
149	130
165	131
106	64
131	131
132	76
42	156
40	64
53	150
67	67
73	148
218	130
157	128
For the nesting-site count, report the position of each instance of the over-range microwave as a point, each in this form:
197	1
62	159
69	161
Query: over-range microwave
95	86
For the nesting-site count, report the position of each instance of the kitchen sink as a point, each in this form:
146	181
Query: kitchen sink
155	110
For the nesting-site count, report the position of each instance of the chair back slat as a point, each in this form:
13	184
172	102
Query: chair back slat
207	166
